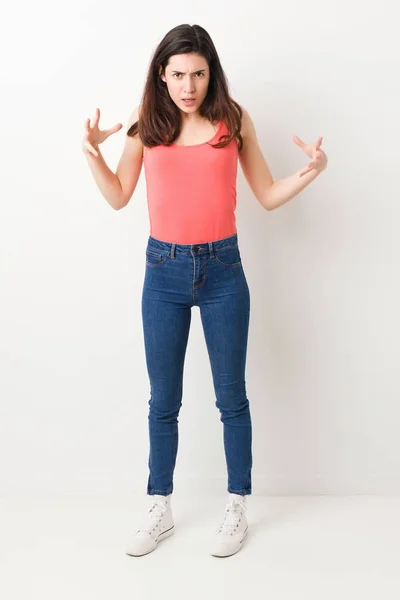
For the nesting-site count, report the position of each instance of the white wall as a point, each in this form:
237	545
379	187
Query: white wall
323	270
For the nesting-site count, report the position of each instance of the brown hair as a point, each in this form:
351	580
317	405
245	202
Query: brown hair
160	120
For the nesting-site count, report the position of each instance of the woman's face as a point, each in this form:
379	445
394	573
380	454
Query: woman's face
187	76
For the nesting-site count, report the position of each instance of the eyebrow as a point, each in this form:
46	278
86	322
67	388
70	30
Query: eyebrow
199	71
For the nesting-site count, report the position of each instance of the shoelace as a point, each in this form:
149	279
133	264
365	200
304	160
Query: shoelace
156	511
233	513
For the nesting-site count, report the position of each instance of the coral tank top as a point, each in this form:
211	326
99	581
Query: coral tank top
191	190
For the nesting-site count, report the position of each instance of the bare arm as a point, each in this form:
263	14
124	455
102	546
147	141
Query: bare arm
107	181
254	166
270	193
131	161
117	188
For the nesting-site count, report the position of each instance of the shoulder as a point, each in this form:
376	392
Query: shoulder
247	130
134	115
134	140
247	127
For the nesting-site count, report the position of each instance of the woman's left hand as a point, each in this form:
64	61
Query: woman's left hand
319	160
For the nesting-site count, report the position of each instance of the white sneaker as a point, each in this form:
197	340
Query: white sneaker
159	525
230	535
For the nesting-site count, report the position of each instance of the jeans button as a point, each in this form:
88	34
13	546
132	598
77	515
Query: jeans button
195	248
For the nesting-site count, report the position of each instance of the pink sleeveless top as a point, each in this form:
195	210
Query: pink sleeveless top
191	190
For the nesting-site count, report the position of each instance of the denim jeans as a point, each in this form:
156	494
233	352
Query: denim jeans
208	275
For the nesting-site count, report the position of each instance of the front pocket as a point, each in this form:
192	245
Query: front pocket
155	258
229	256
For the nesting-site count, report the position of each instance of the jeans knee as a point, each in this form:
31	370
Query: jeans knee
233	409
163	415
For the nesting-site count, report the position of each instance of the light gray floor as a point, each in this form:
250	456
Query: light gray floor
318	547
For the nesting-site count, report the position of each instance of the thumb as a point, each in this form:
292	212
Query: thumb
114	129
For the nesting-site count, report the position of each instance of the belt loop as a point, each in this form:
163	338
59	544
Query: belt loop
211	249
173	250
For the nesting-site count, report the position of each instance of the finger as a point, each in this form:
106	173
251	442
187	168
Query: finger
318	143
305	147
87	123
116	127
96	117
112	130
298	141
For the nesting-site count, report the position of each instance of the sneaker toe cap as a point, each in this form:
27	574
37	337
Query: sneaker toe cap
226	546
141	543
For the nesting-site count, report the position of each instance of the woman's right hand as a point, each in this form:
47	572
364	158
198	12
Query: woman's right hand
93	136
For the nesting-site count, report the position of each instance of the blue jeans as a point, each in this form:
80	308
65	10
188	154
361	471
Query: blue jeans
208	275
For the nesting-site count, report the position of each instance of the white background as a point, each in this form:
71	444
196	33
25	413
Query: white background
323	270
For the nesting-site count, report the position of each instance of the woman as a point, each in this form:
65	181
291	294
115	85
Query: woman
189	134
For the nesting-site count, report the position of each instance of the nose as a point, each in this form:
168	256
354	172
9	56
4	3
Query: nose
189	87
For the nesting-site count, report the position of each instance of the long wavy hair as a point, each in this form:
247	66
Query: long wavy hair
159	121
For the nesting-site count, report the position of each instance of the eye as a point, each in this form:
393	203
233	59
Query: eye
198	74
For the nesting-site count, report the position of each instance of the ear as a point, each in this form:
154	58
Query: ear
160	73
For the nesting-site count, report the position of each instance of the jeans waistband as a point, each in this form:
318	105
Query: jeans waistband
200	248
